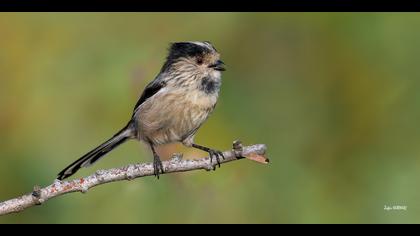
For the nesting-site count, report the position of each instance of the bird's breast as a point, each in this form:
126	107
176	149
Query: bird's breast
174	114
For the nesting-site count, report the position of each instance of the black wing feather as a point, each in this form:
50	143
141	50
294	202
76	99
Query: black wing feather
150	90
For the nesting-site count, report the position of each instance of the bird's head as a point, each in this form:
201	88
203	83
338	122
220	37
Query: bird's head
197	57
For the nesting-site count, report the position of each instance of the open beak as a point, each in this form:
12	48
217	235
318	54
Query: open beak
219	65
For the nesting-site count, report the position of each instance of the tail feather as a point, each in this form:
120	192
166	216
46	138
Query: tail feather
97	153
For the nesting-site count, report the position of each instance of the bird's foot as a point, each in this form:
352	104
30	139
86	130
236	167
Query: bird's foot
212	153
157	166
216	154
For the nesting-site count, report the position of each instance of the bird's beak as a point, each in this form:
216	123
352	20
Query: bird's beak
219	65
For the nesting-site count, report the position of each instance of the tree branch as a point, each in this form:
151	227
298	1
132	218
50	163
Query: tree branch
175	164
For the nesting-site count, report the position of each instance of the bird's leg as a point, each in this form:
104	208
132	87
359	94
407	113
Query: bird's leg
157	163
212	153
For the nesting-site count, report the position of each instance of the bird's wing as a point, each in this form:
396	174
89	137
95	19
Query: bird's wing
151	89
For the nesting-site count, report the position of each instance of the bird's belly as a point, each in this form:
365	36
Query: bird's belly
172	118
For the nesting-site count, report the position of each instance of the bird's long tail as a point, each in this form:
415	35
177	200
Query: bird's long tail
97	153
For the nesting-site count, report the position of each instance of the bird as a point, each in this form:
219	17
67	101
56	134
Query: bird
172	107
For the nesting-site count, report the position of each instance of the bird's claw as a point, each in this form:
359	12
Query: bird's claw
216	154
157	166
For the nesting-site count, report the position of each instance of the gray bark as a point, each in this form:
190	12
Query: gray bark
129	172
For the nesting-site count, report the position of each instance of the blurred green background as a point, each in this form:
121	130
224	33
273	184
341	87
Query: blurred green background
335	96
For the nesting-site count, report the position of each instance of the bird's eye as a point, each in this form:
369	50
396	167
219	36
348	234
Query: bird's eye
199	60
